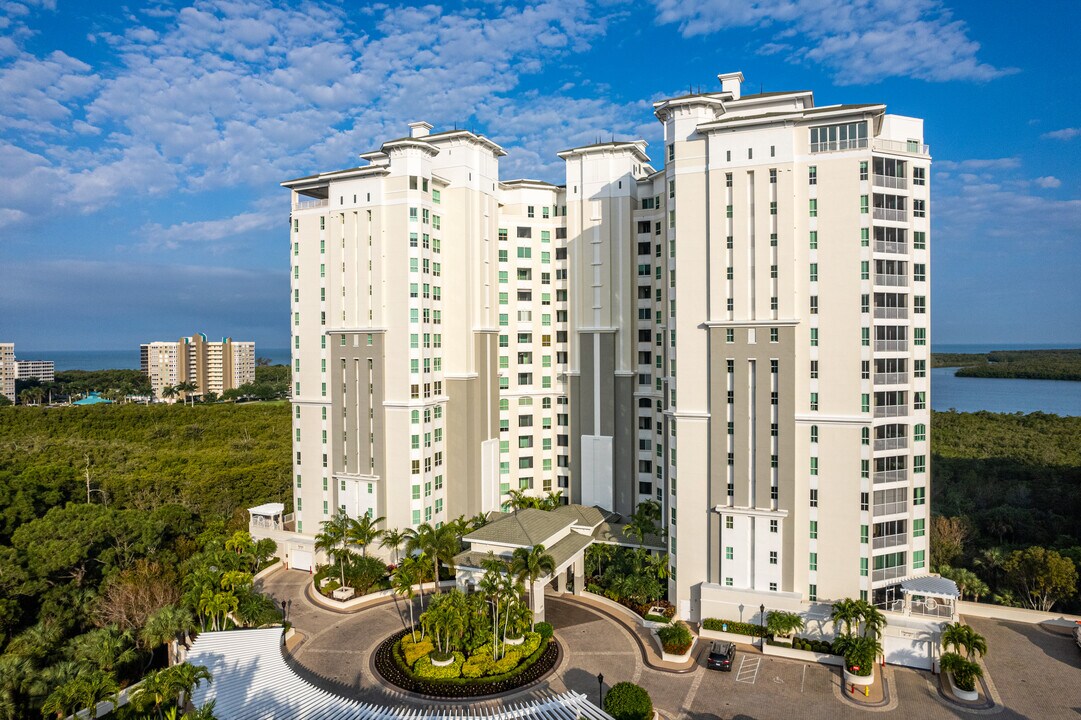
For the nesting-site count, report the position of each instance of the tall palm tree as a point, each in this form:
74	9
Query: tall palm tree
873	620
552	500
333	540
363	532
168	392
106	649
964	638
392	539
402	582
165	626
520	500
492	585
437	543
531	564
85	691
845	614
478	521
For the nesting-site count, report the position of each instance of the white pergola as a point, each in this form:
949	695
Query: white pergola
251	681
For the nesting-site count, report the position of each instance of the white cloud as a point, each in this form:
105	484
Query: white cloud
858	41
1064	134
975	164
155	235
1048	181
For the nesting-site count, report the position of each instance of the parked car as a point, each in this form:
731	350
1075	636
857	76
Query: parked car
721	655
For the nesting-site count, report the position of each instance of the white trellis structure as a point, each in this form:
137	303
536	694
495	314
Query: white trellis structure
252	681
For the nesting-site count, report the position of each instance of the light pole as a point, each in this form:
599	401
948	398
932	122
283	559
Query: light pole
762	624
600	690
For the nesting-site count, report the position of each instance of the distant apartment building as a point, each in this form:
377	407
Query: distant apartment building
212	367
456	337
8	370
40	370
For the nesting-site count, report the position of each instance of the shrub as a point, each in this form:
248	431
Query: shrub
657	618
425	669
779	622
479	664
627	701
545	630
415	651
532	642
965	672
675	638
739	628
860	655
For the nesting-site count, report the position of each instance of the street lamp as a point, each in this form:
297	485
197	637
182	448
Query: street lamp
762	622
285	616
600	690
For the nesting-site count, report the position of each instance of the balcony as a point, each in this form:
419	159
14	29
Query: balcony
888	573
891	313
890	181
891	378
890	508
888	541
891	280
893	443
891	411
891	214
309	204
908	147
891	345
888	246
888	476
836	145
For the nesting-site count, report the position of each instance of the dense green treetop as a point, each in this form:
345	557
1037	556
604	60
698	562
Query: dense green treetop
1026	364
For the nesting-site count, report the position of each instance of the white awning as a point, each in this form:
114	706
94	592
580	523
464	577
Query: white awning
268	509
930	586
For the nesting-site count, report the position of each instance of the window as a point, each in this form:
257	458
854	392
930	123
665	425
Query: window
773	526
863	204
728	179
863	567
865	436
917	559
919	240
812	592
814	239
919	304
919	208
919	464
814	337
919	400
773	203
813	500
672	151
919	336
813	560
919	496
729	554
814	401
813	207
919	176
863	170
773	335
865	270
918	529
814	529
865	237
919	432
864	534
812	175
729	522
730	336
814	433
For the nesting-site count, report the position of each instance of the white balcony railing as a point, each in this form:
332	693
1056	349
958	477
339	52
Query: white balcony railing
888	573
891	214
912	148
891	410
308	204
891	280
891	378
891	508
888	476
893	443
891	345
888	541
888	246
891	313
889	181
836	145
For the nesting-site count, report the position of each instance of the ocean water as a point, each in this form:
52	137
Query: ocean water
988	347
120	359
1003	395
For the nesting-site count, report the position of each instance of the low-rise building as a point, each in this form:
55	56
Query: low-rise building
40	370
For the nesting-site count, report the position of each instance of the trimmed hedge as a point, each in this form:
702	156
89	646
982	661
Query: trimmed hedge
627	701
739	628
391	666
545	630
657	618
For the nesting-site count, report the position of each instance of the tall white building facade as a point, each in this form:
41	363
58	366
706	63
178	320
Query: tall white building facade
8	370
742	336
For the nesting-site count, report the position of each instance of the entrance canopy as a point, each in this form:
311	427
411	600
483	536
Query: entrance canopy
931	586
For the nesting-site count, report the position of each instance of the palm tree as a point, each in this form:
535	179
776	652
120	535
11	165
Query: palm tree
494	588
81	692
873	620
845	613
363	532
333	540
520	500
402	581
782	624
172	684
185	678
552	500
478	521
964	638
166	625
392	539
599	553
240	543
531	564
169	392
106	649
437	543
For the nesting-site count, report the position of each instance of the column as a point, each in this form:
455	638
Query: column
579	573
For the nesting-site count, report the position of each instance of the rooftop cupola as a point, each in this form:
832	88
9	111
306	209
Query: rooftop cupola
730	83
421	129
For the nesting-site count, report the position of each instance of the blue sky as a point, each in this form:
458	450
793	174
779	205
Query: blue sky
142	144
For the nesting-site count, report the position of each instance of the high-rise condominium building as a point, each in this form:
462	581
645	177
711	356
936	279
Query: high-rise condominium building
742	336
212	367
41	370
8	370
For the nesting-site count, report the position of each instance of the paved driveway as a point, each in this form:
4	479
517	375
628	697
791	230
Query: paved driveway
1036	671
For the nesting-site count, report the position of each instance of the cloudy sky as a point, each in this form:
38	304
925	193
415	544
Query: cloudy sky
142	144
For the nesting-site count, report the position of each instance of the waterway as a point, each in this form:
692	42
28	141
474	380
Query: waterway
1004	395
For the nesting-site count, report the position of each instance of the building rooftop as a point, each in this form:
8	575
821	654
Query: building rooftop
524	528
